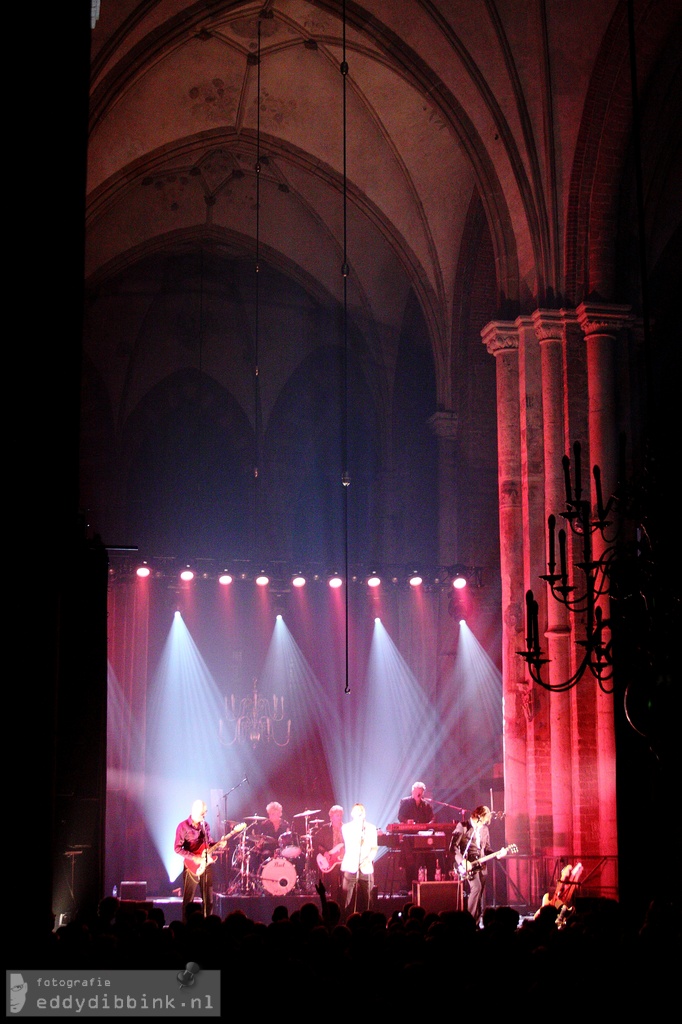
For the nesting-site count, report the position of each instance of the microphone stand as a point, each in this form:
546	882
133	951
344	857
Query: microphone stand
225	829
452	807
358	873
203	881
225	796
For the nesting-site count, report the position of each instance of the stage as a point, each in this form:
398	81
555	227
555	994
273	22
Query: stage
257	908
433	896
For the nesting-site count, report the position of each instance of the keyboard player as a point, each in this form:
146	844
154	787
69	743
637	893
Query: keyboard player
415	810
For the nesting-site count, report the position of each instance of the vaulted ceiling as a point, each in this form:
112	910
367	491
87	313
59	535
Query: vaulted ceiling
455	165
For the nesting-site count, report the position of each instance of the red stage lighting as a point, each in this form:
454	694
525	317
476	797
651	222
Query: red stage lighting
415	580
186	575
459	583
143	571
335	582
262	580
373	580
225	579
298	581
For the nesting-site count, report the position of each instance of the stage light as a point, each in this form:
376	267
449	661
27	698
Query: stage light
279	616
143	571
186	575
262	580
459	582
225	579
415	580
298	581
335	581
373	580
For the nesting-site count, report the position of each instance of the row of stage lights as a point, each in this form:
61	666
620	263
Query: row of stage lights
447	577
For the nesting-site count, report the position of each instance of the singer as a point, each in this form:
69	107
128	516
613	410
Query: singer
192	843
361	845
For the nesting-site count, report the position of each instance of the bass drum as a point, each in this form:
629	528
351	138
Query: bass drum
277	876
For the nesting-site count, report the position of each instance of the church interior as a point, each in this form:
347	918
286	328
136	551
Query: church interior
357	288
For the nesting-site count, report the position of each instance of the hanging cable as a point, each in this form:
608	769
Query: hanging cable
345	477
256	374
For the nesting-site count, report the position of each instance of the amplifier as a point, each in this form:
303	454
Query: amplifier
437	896
134	891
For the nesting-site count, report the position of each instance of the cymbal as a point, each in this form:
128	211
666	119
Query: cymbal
317	821
306	814
255	817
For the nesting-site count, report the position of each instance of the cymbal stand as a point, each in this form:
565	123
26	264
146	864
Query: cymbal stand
244	884
309	874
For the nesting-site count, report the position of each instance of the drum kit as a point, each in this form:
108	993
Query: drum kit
260	871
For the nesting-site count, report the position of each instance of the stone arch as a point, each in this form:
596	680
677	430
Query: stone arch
304	454
112	78
189	437
601	150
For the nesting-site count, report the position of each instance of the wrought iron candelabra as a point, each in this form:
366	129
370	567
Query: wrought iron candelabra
254	720
597	581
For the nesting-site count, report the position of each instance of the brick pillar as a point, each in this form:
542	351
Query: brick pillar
550	330
602	324
502	340
444	426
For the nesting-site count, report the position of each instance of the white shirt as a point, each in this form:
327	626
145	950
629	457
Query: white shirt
361	846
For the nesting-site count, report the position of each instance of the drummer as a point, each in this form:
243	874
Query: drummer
270	831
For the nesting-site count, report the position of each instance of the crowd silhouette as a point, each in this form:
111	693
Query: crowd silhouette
408	960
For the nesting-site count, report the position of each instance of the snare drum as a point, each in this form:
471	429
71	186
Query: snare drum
277	876
288	846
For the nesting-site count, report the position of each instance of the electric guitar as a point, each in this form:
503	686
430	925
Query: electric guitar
327	861
198	861
468	868
566	885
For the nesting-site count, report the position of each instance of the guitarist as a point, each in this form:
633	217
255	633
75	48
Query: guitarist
470	841
328	849
192	838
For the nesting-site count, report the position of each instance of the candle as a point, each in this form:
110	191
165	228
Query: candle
576	455
562	555
536	627
529	621
551	522
597	487
621	459
566	462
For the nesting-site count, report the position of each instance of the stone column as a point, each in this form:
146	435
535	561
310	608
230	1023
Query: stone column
601	325
502	340
550	328
444	426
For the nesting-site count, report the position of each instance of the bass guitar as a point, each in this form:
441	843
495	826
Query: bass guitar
326	862
198	861
468	868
